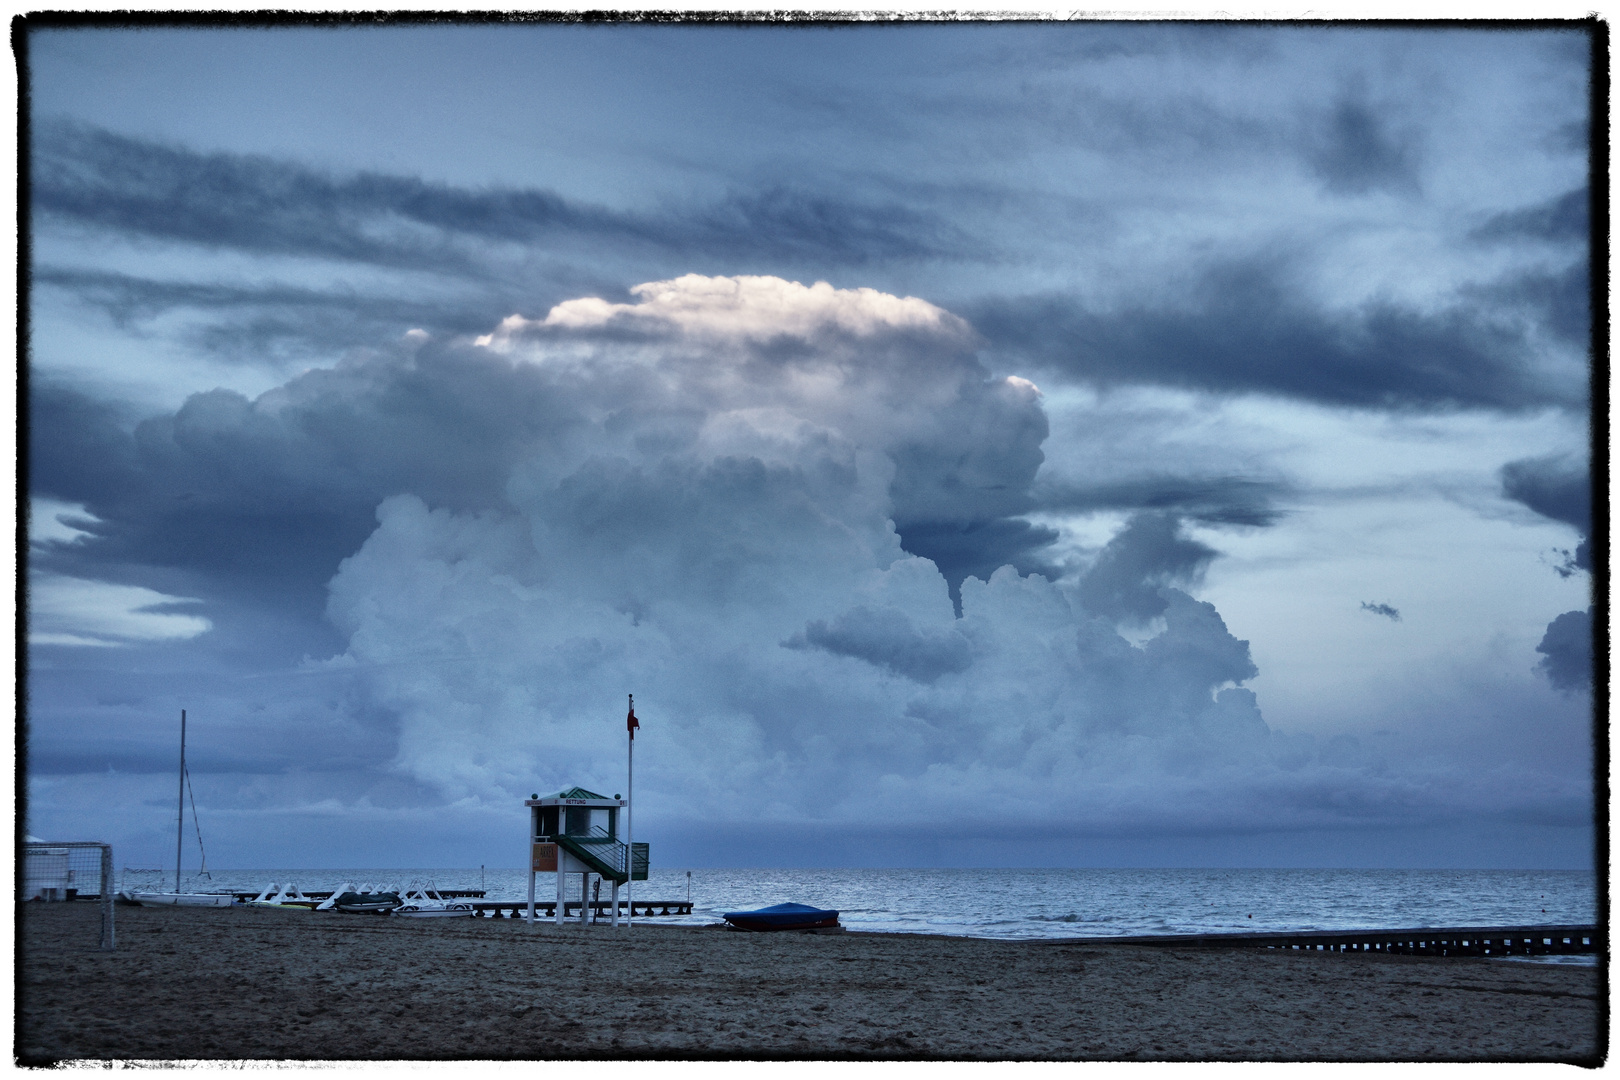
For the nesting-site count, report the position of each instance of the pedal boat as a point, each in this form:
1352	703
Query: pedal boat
357	903
428	904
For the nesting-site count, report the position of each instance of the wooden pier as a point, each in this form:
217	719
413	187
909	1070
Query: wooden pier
1423	941
318	895
514	909
600	909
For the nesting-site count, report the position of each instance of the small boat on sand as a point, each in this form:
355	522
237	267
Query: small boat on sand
362	900
783	917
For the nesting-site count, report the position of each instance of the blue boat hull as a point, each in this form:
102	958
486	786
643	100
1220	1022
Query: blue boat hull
783	917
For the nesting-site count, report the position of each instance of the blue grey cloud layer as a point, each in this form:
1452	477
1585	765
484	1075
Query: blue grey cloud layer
1223	212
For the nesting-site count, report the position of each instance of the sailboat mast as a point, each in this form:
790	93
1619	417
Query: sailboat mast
180	823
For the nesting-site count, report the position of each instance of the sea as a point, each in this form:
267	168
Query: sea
1035	903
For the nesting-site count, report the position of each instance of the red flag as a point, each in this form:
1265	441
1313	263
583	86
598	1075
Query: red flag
630	722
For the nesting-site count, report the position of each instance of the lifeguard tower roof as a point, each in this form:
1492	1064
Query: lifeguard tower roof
574	796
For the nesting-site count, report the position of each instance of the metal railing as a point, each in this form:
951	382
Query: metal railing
605	849
614	857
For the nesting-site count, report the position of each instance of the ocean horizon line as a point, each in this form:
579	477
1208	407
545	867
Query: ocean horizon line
937	869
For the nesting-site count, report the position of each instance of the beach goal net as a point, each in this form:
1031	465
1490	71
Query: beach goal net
70	872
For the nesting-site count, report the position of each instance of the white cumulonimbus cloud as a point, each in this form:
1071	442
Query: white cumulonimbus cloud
714	528
744	307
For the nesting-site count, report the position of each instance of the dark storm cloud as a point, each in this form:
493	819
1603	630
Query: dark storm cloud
1242	327
79	447
1566	652
254	323
888	639
265	205
783	222
129	300
964	549
1575	137
1560	487
1356	150
1382	609
1149	554
1557	487
228	200
957	495
269	496
1219	500
1560	302
1562	220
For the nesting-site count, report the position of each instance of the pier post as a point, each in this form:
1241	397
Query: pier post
562	876
584	895
615	903
106	888
529	918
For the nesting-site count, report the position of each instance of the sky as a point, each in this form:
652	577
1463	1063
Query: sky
973	444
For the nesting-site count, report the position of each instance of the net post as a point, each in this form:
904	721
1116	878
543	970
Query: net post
108	943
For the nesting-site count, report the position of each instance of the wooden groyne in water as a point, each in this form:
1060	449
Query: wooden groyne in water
1421	941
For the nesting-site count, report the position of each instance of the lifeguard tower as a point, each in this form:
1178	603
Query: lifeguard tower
577	832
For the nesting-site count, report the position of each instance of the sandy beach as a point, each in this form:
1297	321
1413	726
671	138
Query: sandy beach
287	985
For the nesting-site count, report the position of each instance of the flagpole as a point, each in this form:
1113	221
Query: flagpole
180	824
630	823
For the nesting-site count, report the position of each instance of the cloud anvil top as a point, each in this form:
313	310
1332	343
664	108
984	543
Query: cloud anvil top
1097	434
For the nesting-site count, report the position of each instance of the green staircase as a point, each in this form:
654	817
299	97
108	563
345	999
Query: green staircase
613	859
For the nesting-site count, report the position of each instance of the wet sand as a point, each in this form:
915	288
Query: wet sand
284	985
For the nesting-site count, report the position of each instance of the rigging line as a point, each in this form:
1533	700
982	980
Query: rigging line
202	871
